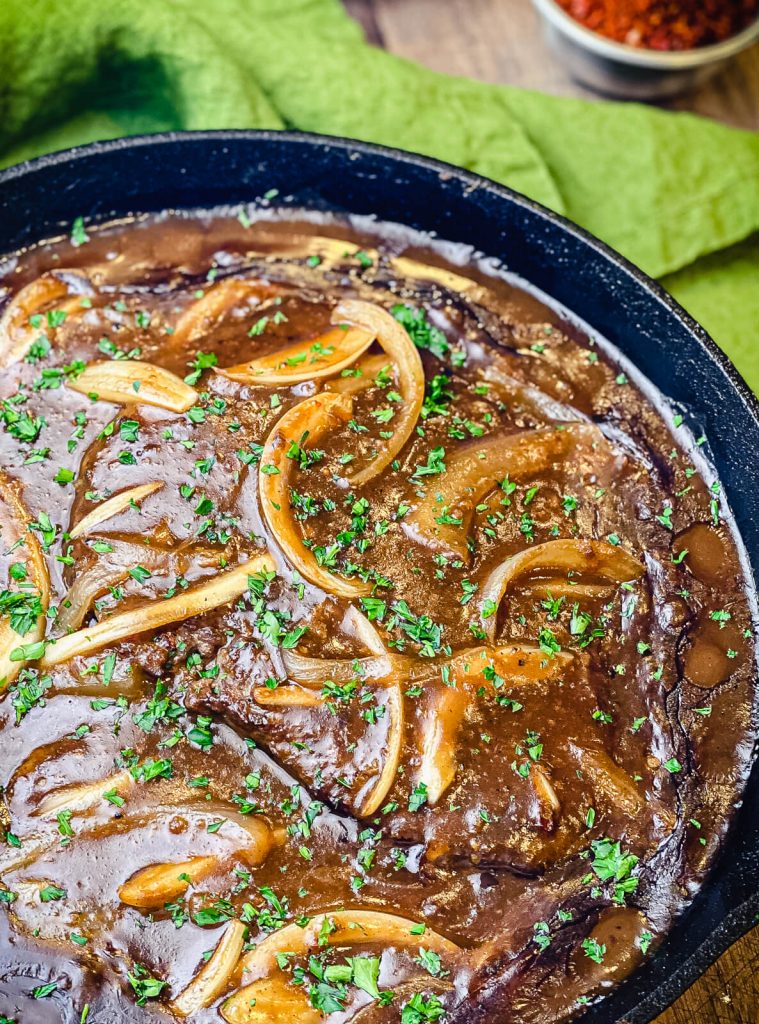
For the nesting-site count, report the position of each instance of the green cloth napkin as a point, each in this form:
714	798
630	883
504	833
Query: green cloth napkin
677	194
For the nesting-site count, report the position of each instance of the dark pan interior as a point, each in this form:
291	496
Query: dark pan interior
208	169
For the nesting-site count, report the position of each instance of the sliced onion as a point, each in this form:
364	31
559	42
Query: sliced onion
555	586
16	333
476	469
465	672
306	360
532	399
14	528
550	806
201	317
271	1000
356	625
311	418
613	782
291	696
82	797
594	558
214	976
92	584
130	381
158	884
402	351
112	506
406	267
111	570
395	730
316	671
286	697
254	838
341	928
197	600
438	765
370	367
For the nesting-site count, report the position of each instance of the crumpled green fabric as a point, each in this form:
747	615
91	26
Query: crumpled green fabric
678	195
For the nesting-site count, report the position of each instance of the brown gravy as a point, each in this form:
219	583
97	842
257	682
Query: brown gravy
398	652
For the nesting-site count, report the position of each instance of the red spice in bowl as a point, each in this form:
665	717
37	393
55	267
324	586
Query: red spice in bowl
664	24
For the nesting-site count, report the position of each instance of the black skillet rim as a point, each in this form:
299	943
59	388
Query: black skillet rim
653	987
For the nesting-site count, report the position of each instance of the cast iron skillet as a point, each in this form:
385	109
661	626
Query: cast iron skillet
205	169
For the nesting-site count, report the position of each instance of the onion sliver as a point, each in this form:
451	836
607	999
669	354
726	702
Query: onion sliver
613	782
213	977
356	624
15	534
550	806
130	381
341	928
114	567
476	469
16	333
199	318
204	597
594	558
370	367
112	507
82	797
315	672
270	1001
286	697
157	884
400	348
376	796
437	768
306	360
406	267
466	671
311	418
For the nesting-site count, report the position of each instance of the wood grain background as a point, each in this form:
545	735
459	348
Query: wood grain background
500	41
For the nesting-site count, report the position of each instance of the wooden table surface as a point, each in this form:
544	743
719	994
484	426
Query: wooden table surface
500	41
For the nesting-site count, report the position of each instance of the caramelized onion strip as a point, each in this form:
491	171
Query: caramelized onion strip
286	697
476	469
271	1000
593	558
309	419
214	976
16	332
548	801
200	318
112	506
151	887
369	369
611	781
463	674
402	351
356	625
81	797
315	671
130	381
342	928
437	768
314	359
16	536
204	597
394	746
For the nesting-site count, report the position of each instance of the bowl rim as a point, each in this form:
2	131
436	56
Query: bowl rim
655	60
728	921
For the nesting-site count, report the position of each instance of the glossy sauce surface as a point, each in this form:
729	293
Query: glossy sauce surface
493	700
